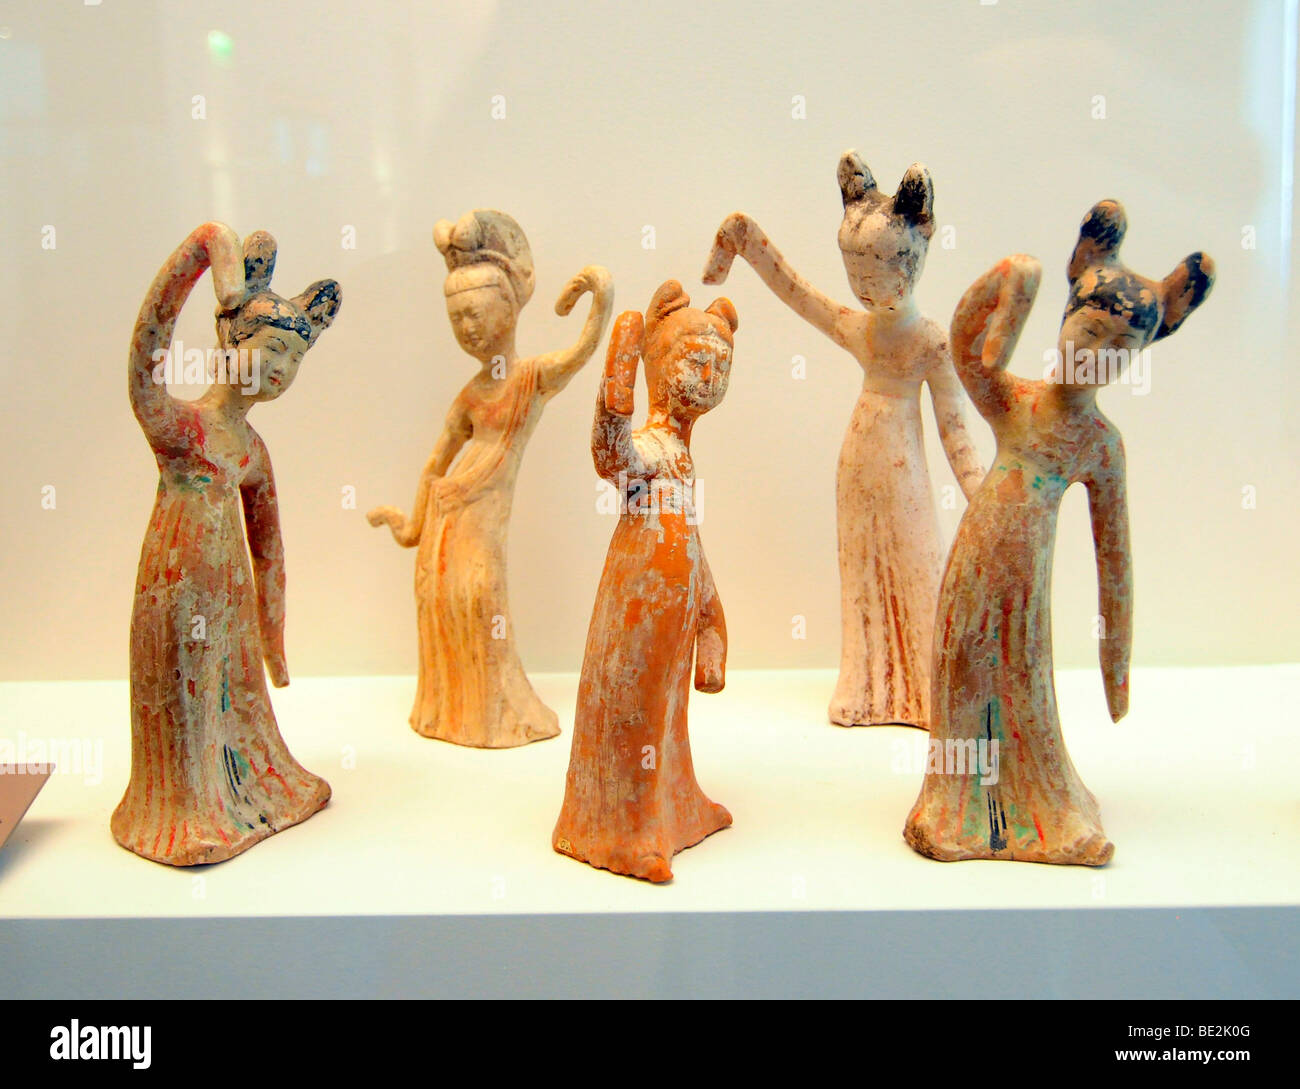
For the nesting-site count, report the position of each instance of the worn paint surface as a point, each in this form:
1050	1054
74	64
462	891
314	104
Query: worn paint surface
210	774
472	688
631	798
993	674
890	556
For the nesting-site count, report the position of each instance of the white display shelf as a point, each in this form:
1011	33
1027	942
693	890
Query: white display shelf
1197	789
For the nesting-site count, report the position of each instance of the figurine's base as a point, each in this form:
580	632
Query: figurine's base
201	851
1091	850
1196	786
501	739
859	712
649	862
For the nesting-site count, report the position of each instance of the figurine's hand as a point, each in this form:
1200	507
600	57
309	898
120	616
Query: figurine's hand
710	662
996	307
621	363
276	666
1117	697
593	278
1015	298
226	260
393	518
732	241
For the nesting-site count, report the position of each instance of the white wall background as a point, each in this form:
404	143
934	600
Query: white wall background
330	114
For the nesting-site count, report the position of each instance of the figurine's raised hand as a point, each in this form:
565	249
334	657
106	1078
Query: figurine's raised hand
985	327
555	369
225	255
612	450
996	305
732	241
621	363
593	278
210	245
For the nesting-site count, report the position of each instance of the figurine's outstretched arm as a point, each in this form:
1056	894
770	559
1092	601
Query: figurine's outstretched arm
612	448
995	306
950	415
556	368
262	516
1108	504
407	531
710	635
740	236
215	245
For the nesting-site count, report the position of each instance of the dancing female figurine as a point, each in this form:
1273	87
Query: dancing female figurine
889	552
472	688
631	801
993	681
210	773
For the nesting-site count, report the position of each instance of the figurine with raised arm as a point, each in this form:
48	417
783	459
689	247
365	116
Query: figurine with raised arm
210	774
472	689
993	676
631	800
890	556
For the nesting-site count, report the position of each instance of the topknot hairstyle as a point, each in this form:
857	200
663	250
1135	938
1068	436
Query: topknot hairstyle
307	315
484	236
913	203
1100	280
670	315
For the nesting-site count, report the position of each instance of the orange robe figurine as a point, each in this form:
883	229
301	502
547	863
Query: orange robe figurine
631	801
210	774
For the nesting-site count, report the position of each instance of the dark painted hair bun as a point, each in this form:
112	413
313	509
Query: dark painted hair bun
259	262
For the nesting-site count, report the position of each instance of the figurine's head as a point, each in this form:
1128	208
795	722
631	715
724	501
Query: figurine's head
1114	310
280	330
884	239
687	352
489	279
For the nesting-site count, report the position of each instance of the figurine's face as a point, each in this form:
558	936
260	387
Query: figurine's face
695	372
883	257
1100	344
279	354
483	320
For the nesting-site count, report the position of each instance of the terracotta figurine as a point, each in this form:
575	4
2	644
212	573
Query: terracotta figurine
472	688
631	800
994	700
210	774
890	556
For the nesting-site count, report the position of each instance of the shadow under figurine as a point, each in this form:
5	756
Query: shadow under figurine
631	799
1022	800
210	774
